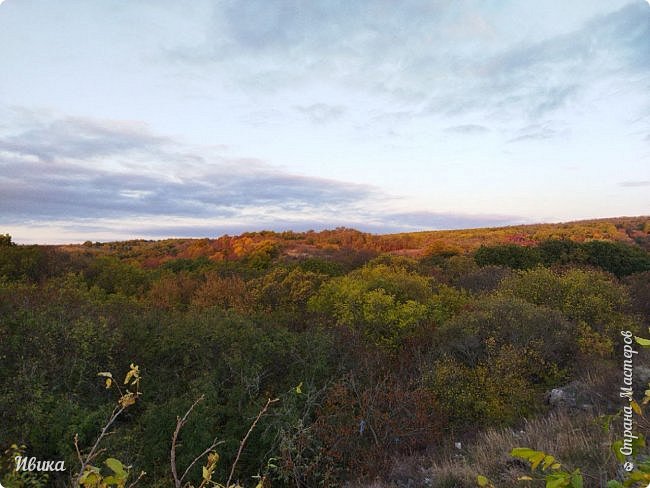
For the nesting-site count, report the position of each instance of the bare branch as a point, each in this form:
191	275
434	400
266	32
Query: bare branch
243	441
117	411
212	446
97	453
180	422
142	473
76	446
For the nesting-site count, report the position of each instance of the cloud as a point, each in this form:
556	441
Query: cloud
81	168
537	132
116	179
453	57
320	113
416	65
633	184
467	129
356	45
111	229
82	138
364	221
536	79
424	219
443	62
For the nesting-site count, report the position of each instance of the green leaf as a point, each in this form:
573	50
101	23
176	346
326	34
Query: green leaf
614	484
482	480
555	481
89	478
116	466
299	389
548	461
522	452
643	342
576	479
89	470
537	458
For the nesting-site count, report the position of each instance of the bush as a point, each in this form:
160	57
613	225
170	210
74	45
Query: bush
592	300
639	289
616	257
510	255
381	302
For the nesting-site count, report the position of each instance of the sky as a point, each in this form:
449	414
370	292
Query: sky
194	118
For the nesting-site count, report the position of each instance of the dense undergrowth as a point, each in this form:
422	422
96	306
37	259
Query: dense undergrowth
376	359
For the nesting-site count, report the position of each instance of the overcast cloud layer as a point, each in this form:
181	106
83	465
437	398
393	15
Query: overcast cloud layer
163	118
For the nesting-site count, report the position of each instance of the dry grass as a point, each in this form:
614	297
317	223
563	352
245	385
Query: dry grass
575	440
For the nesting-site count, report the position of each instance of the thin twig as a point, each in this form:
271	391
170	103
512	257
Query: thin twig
180	422
117	411
212	446
89	459
243	441
142	473
76	446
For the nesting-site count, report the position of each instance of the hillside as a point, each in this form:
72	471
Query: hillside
328	242
366	359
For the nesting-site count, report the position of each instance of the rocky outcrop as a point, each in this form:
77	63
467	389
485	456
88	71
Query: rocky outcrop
575	395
